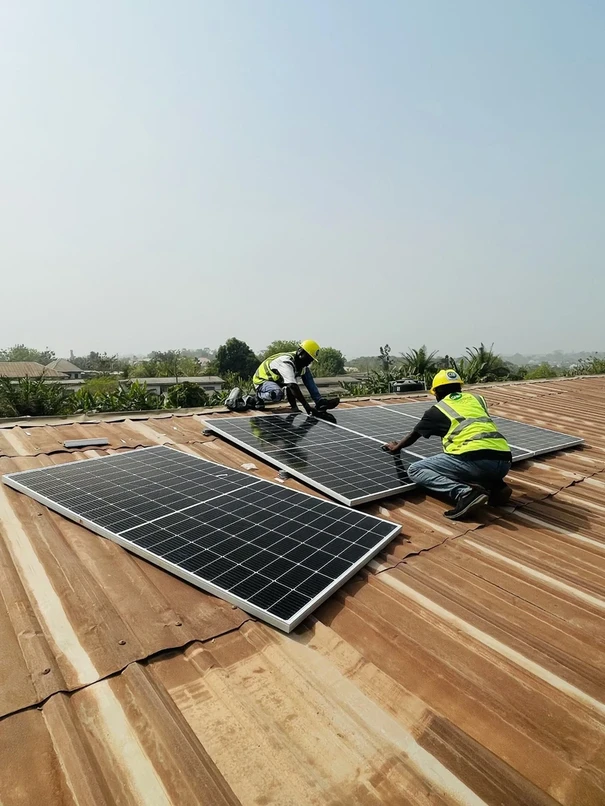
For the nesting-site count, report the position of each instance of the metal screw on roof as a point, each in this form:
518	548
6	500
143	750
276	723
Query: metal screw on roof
46	671
121	642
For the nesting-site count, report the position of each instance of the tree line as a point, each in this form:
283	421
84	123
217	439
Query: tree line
236	363
235	357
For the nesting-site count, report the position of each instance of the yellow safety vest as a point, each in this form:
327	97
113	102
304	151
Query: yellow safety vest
471	428
265	373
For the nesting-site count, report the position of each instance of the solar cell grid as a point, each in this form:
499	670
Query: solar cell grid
275	552
336	461
525	440
337	453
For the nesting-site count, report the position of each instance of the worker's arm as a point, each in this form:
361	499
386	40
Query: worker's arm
433	423
295	396
395	447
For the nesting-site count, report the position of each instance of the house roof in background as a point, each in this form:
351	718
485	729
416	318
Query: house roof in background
63	365
466	664
27	369
199	379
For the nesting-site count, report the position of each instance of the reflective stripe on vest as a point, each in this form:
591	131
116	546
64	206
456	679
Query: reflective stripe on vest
471	429
265	373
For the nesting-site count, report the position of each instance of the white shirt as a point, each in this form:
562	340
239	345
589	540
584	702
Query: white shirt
284	364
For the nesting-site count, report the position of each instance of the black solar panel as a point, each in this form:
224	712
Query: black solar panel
373	421
272	551
525	440
534	439
384	425
415	409
348	467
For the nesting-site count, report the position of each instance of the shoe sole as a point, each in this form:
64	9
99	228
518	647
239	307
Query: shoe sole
480	501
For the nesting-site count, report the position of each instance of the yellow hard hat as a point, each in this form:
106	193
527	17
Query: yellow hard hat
444	377
311	347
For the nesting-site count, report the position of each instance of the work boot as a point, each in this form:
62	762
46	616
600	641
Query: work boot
234	400
500	496
326	403
477	497
258	404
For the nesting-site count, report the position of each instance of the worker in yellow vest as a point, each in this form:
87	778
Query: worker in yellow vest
277	376
476	456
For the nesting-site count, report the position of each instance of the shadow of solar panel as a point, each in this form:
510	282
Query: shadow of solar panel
275	552
341	463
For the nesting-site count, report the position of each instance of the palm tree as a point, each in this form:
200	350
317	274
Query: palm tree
481	365
420	363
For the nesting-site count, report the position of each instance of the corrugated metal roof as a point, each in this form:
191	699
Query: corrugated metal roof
27	369
464	665
63	365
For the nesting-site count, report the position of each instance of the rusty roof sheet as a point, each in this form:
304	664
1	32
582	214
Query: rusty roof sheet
27	369
464	665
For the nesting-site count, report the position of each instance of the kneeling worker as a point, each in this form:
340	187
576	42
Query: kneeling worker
277	376
476	456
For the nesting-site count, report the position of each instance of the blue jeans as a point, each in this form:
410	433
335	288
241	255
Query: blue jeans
451	475
309	382
271	392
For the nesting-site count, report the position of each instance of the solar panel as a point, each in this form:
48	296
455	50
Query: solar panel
534	439
383	425
274	552
415	409
525	440
345	465
372	421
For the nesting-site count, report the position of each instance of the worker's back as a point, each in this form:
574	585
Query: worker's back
266	372
471	427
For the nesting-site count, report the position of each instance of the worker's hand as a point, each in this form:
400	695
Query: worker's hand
391	447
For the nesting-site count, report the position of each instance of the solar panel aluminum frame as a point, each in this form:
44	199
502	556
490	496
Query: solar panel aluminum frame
296	474
286	625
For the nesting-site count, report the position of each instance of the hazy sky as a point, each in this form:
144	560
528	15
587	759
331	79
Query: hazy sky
175	173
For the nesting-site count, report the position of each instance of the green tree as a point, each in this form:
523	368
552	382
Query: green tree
481	365
185	396
166	364
22	353
387	362
135	397
280	346
420	363
589	366
236	357
99	362
543	370
101	385
32	397
330	361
